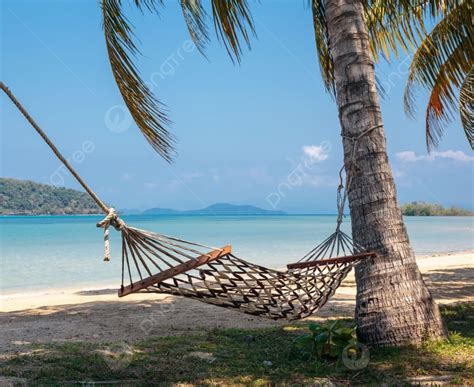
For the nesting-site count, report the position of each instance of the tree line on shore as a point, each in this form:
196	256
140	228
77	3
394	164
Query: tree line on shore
430	209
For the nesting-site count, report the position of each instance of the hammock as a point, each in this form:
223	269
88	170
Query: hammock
218	277
153	262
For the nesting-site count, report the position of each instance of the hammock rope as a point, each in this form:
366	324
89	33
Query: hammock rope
153	262
110	219
350	166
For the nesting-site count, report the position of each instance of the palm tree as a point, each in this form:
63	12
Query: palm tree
394	306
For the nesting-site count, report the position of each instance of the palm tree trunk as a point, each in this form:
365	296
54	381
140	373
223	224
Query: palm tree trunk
394	306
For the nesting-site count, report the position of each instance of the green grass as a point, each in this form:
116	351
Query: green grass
242	356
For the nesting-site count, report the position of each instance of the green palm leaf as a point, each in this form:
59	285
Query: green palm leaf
145	109
322	45
440	65
401	24
466	106
232	22
195	18
443	99
393	25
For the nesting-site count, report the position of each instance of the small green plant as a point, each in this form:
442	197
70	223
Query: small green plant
327	340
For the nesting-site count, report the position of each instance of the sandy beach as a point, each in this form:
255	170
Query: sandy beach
98	315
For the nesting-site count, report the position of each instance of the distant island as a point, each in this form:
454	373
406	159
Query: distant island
23	197
216	209
428	209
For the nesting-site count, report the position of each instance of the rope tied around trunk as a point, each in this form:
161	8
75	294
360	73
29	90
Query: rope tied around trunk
110	219
350	166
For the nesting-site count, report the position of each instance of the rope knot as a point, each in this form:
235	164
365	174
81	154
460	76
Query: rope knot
110	219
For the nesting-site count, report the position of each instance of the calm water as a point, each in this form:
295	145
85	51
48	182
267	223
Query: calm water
66	251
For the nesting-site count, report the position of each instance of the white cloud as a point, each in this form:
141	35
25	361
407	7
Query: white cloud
455	155
315	153
410	156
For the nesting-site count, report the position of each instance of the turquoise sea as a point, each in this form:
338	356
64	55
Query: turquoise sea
43	252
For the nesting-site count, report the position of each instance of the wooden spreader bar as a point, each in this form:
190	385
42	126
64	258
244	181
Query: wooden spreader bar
174	271
318	262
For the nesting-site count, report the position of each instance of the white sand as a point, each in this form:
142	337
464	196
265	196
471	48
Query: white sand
99	315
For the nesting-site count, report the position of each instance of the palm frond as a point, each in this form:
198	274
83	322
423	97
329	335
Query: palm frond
195	18
439	8
392	25
452	32
440	65
232	22
150	5
145	109
466	106
442	100
321	35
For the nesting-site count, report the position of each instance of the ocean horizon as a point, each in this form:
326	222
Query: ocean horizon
60	251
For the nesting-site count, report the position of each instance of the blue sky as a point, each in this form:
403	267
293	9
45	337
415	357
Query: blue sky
262	133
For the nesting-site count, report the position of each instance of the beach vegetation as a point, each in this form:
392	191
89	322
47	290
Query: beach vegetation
330	339
429	209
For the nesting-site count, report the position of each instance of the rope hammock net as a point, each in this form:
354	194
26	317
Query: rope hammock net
153	262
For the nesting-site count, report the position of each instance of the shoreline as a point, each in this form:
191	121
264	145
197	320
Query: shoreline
15	300
445	253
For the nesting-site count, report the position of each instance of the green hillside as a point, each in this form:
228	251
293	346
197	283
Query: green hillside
23	197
